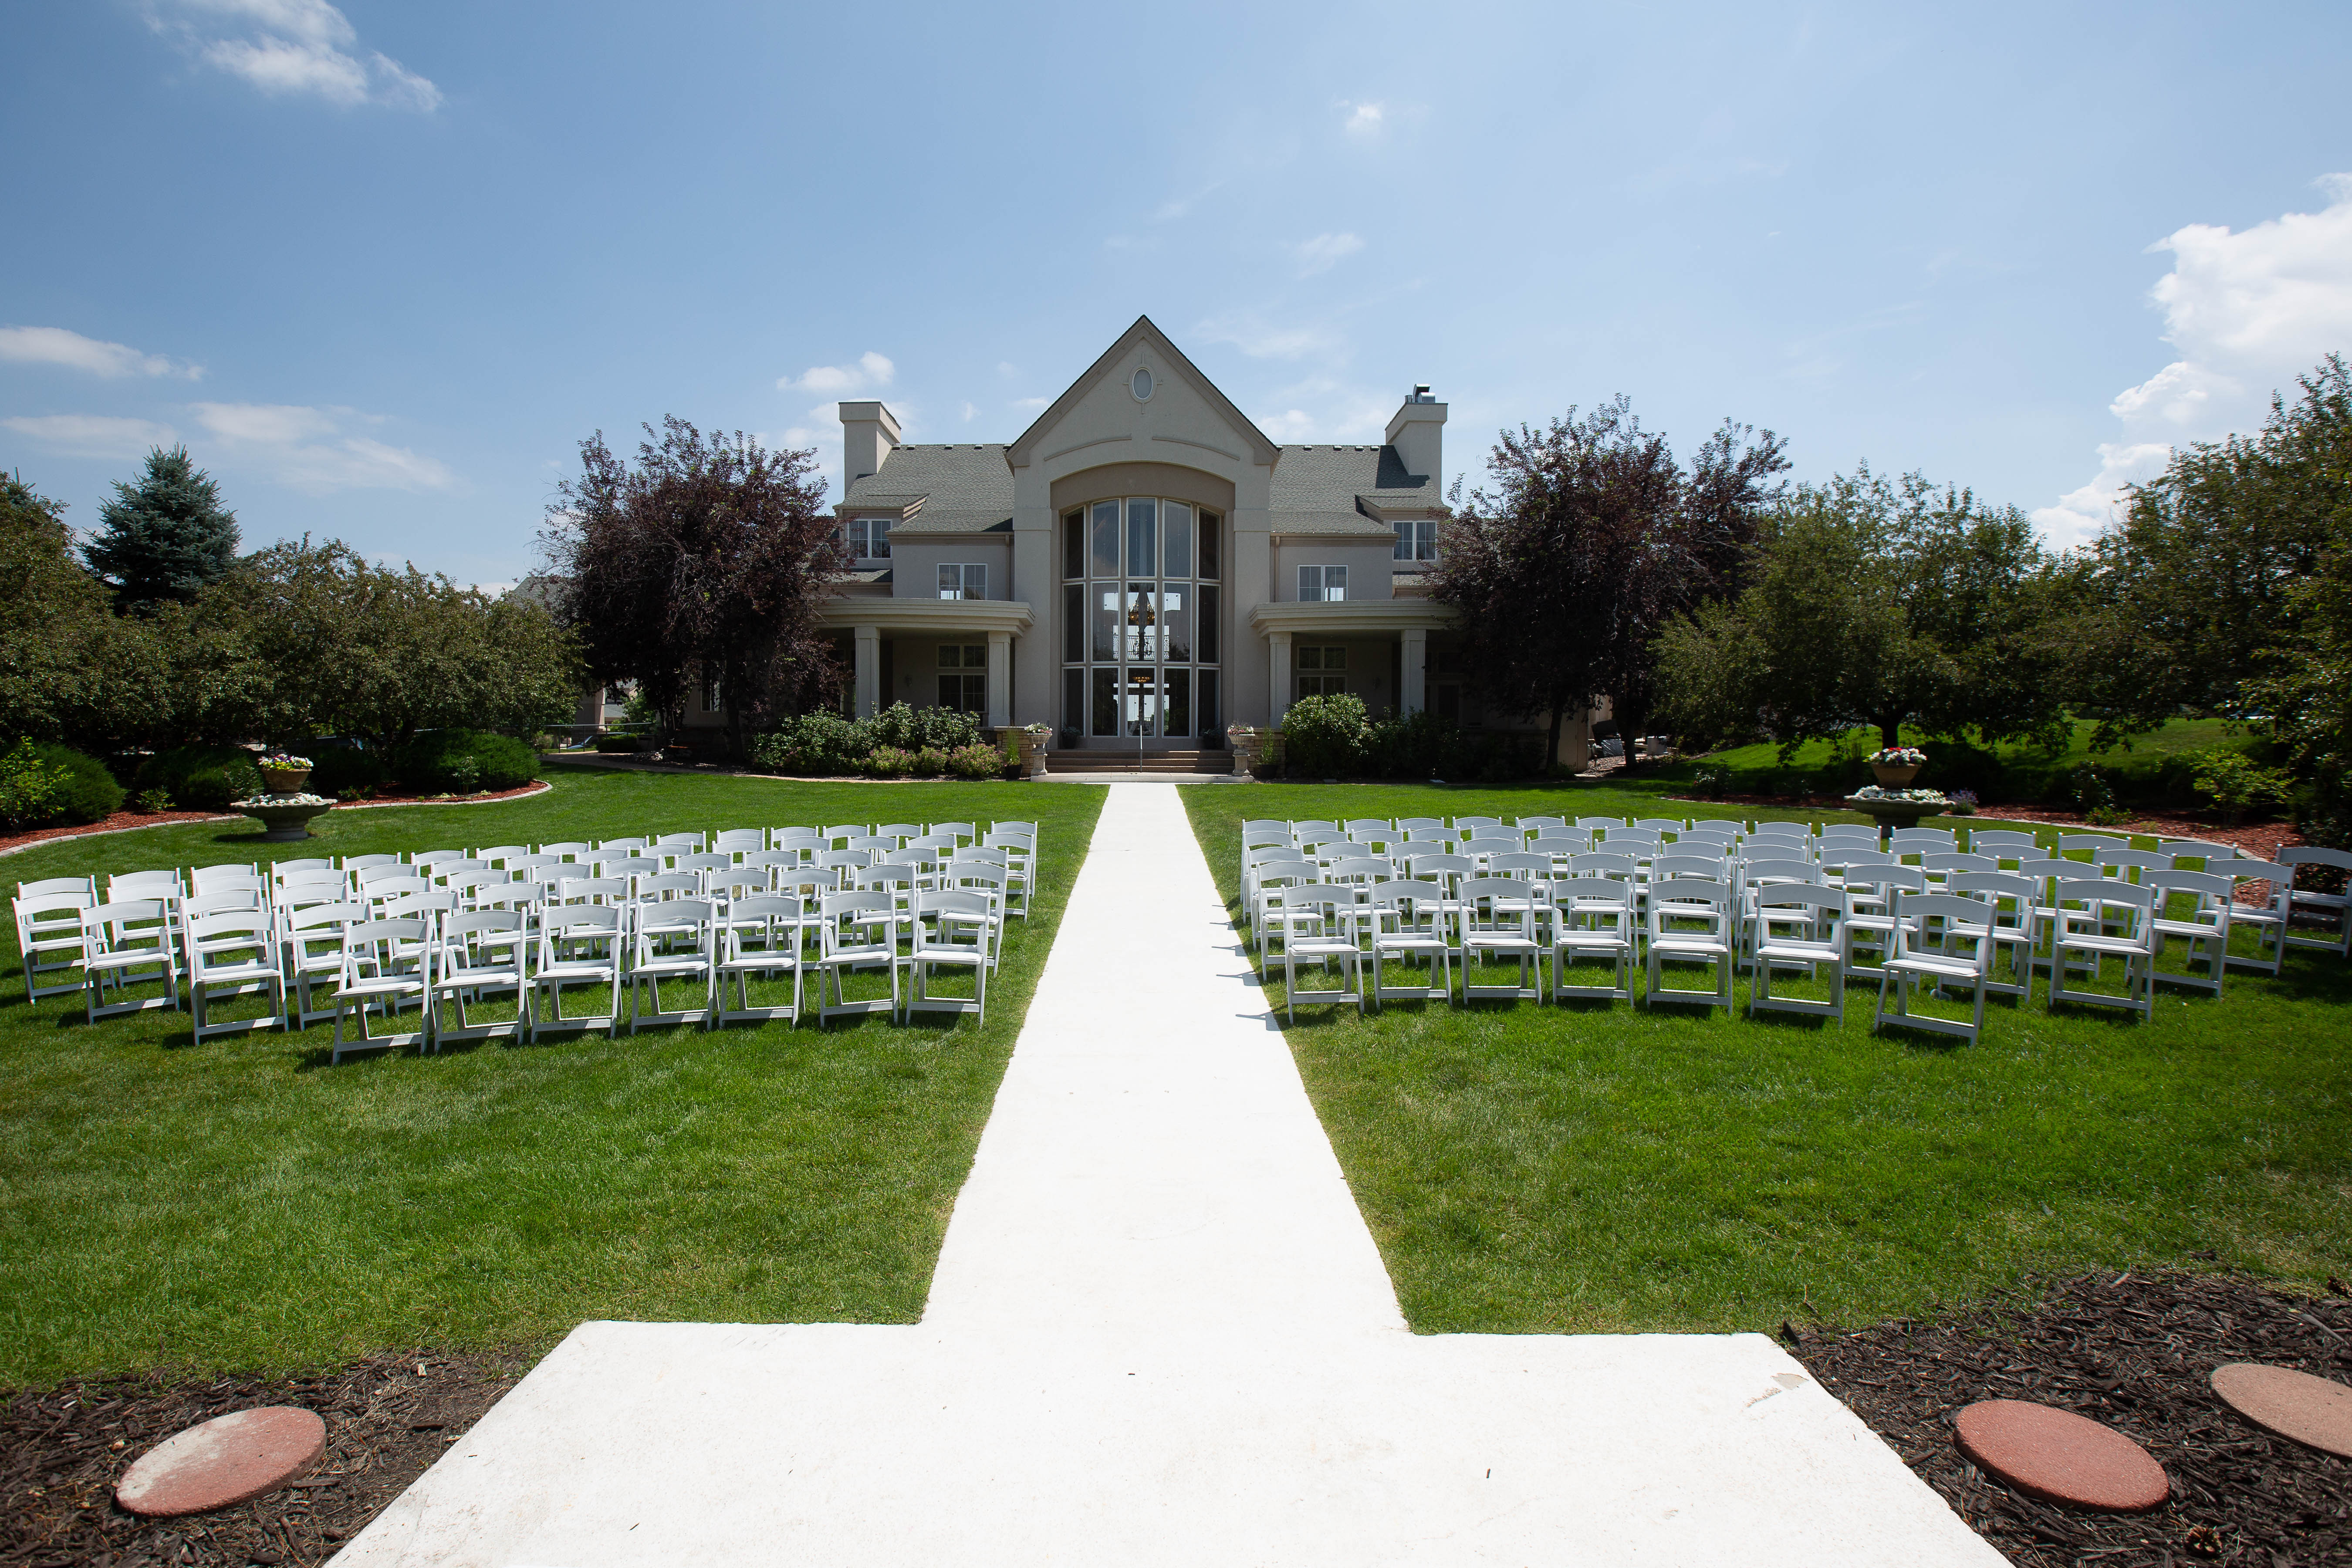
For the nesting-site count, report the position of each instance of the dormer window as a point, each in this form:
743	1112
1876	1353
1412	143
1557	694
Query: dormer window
1416	538
869	538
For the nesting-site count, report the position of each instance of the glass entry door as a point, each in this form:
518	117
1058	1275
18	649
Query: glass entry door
1137	571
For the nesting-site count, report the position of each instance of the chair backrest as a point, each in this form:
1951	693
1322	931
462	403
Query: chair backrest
121	923
49	885
1680	898
1838	857
462	949
1661	823
1604	864
1538	824
875	844
2104	893
59	910
1397	896
848	830
2130	860
682	843
1446	870
2069	842
389	890
1924	841
735	839
608	848
227	899
373	949
282	870
581	918
431	905
2280	877
1779	830
1704	868
2000	842
1706	848
964	830
1356	824
1721	831
1800	896
1407	823
1949	860
1511	898
671	885
1759	868
1848	833
2013	898
447	872
677	917
572	850
632	868
957	904
786	858
143	885
1521	863
387	872
2197	849
254	927
368	862
436	857
1601	824
2210	889
1948	914
500	854
2313	855
1889	880
591	890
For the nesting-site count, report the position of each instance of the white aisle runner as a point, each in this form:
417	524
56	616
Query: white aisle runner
1159	1333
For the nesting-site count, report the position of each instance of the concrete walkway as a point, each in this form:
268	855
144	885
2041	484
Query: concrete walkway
1159	1333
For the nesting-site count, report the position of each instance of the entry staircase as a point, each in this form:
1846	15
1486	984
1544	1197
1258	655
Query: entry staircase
1115	763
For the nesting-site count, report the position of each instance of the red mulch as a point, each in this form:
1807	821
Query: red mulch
63	1448
119	820
2259	839
2134	1352
123	819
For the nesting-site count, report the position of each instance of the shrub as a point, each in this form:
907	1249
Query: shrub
914	728
342	768
201	778
89	793
930	762
977	762
155	800
1964	804
30	786
1326	736
2106	816
2234	783
461	761
888	763
612	745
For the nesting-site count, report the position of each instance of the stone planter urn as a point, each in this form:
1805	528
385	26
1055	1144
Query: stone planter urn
285	818
286	781
1897	776
1252	747
1889	814
1032	755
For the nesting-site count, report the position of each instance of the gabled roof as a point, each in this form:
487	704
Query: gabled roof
960	489
1022	449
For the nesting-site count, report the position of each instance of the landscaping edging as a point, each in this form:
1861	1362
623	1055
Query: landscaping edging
41	835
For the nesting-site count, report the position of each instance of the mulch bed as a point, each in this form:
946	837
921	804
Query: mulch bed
2133	1352
123	819
62	1450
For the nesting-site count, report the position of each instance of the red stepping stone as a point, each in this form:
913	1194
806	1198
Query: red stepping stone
2317	1411
223	1461
2059	1456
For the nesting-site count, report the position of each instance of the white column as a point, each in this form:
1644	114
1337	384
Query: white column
869	670
1000	680
1413	672
1277	683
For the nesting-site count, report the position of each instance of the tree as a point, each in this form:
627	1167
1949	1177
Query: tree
710	558
52	614
336	644
164	537
1877	603
1592	540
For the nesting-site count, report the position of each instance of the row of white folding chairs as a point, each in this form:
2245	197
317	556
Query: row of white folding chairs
48	913
1871	883
370	958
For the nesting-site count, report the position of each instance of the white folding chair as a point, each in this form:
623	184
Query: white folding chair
1498	922
859	931
2095	919
1798	925
2335	907
385	965
1939	940
481	954
1407	922
128	942
761	936
2203	926
677	939
1692	922
1592	920
233	954
313	939
1319	925
2265	919
49	932
581	945
2011	924
951	930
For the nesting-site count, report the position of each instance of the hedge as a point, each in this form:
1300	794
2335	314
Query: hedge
460	762
201	778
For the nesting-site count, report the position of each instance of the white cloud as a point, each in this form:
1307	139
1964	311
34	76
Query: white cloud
870	374
312	450
1258	340
971	412
2247	313
55	345
1324	252
93	435
1293	425
292	48
1363	119
1031	404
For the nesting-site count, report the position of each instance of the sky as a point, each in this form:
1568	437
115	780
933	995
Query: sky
383	267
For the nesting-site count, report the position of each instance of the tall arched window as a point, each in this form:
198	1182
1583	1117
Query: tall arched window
1141	598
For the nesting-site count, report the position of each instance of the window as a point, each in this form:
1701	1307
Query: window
963	656
1318	583
1416	538
869	538
966	581
1074	544
710	688
1322	671
965	693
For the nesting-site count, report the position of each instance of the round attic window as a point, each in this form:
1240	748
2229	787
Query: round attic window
1142	383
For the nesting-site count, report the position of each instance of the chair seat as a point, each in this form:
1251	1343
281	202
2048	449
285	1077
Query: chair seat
1942	968
1707	947
360	989
235	973
124	960
923	954
2091	941
578	971
1782	952
1593	942
668	967
2187	928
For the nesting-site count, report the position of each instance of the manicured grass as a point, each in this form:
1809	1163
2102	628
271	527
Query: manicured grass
241	1205
1590	1167
2175	735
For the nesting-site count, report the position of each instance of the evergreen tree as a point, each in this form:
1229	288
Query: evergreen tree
163	537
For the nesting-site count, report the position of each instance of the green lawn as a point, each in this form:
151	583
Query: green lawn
240	1204
1532	1168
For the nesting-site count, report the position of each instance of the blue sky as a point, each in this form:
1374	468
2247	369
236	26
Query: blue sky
383	266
